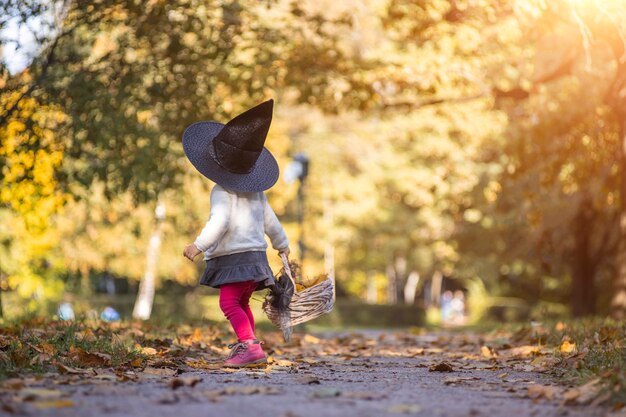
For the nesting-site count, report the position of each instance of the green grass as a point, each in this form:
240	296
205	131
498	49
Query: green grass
39	346
601	353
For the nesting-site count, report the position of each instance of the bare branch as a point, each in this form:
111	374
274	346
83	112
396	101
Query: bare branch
586	35
432	102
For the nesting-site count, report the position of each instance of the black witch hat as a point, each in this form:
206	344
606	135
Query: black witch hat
233	155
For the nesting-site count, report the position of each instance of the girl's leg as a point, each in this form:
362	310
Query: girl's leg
231	297
245	303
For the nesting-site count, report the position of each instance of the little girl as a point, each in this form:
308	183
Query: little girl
233	156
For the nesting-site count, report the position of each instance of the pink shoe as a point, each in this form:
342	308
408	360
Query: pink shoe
246	353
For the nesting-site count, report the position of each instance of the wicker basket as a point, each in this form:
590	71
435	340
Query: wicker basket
305	305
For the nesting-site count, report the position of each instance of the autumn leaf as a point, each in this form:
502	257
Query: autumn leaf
13	384
488	352
244	390
567	347
457	380
184	382
542	391
583	394
42	405
308	380
137	362
32	394
89	358
64	369
404	409
47	348
148	350
441	367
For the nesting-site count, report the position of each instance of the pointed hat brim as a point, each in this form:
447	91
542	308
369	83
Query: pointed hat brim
198	146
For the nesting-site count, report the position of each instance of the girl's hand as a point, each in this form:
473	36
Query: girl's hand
191	251
285	251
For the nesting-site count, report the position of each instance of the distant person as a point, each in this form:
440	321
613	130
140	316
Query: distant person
446	307
457	306
233	156
110	314
66	311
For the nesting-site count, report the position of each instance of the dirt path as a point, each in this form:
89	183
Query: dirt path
366	374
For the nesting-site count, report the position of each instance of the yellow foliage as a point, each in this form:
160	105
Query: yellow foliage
30	196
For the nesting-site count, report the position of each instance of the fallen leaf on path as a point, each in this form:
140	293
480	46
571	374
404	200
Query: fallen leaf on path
89	358
33	394
64	369
542	391
524	368
249	390
310	339
488	352
308	380
279	362
524	351
148	351
124	376
106	377
326	393
417	352
203	364
184	382
310	361
482	366
159	371
42	405
582	395
404	409
441	367
13	384
460	379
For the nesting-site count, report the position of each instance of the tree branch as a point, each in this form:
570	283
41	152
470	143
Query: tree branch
432	102
46	64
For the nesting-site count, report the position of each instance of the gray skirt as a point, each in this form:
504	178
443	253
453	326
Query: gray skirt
238	267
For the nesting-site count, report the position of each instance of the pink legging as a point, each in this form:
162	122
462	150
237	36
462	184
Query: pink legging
234	302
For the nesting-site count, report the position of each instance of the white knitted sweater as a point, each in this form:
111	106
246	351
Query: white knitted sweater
238	223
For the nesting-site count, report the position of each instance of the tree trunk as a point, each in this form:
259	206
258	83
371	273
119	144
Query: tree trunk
392	285
583	266
435	288
372	294
410	288
618	303
400	266
145	296
618	102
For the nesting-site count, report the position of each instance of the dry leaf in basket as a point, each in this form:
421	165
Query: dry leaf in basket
316	297
310	282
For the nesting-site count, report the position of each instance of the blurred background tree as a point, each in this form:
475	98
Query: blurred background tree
472	143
